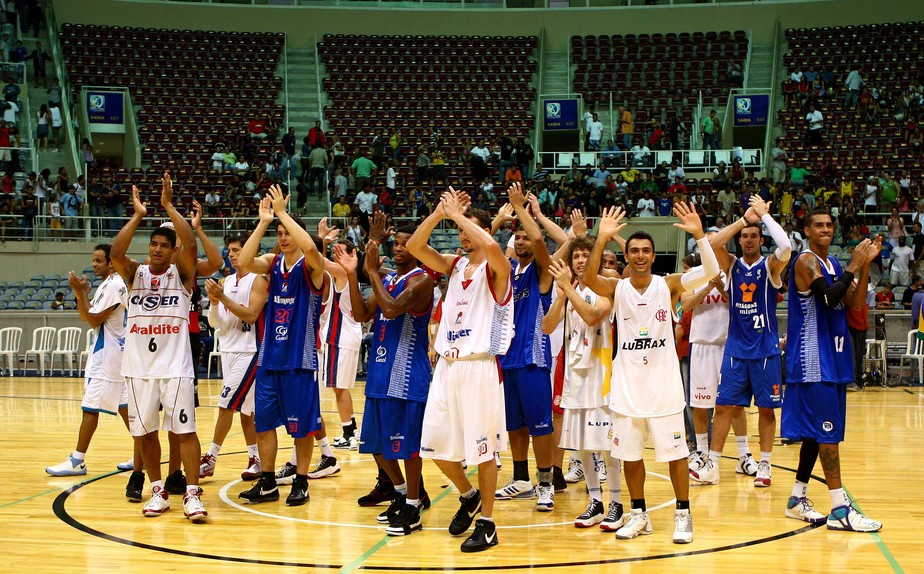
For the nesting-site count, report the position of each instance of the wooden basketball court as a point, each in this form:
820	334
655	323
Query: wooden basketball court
85	524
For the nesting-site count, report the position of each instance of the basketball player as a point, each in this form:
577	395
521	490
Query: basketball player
751	365
236	307
819	367
104	387
588	362
646	394
398	377
286	388
157	363
526	365
464	417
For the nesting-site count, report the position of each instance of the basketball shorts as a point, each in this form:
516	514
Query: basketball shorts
558	383
464	417
745	378
528	399
392	428
815	411
587	429
666	433
101	396
147	396
705	369
240	373
337	367
287	398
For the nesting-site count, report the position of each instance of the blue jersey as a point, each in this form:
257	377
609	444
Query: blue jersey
752	328
399	367
530	346
817	340
291	319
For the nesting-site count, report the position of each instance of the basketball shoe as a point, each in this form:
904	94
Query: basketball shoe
299	494
593	515
175	483
638	523
285	474
383	491
264	490
484	537
253	471
709	474
135	486
575	471
207	465
746	465
763	474
800	508
70	467
545	498
683	526
405	522
193	509
468	508
615	518
127	465
515	489
159	503
327	467
346	443
849	518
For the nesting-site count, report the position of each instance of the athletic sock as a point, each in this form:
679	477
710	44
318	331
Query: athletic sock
714	456
160	484
544	476
347	429
521	470
613	477
326	450
78	456
639	503
192	489
415	502
838	497
253	451
294	458
799	489
742	445
269	476
683	505
401	488
765	456
702	442
487	518
591	478
471	492
214	449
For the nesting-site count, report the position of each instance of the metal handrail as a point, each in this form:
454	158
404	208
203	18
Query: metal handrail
540	113
774	90
66	96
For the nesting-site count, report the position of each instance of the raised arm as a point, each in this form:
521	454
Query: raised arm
504	214
81	288
498	264
690	222
302	238
590	314
540	249
690	299
720	240
610	226
779	258
555	313
118	254
186	260
248	260
363	309
213	260
417	298
420	248
552	229
328	236
809	277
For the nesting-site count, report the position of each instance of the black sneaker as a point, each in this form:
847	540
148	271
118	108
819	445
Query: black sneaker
135	486
383	491
558	479
299	494
406	521
391	513
484	537
175	483
466	514
327	467
263	491
285	474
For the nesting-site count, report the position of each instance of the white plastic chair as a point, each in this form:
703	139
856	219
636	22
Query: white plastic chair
43	339
87	351
68	340
914	351
215	354
10	339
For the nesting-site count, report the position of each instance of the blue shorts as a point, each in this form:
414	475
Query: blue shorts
287	398
816	411
392	428
742	379
528	399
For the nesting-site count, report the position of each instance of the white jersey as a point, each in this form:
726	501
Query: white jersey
236	335
157	335
588	358
709	325
473	322
338	327
646	371
105	362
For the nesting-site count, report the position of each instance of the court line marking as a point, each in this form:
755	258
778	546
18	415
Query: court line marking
890	558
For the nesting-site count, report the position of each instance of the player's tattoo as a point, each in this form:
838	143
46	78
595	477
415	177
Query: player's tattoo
830	462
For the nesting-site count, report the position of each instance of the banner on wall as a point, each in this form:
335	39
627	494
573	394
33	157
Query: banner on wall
560	114
751	111
106	107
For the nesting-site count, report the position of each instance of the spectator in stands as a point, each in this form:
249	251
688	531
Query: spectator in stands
342	211
54	91
115	208
586	120
54	216
594	133
778	161
908	296
379	141
28	208
901	267
736	174
317	168
6	143
212	201
71	203
656	135
645	207
341	184
20	52
365	202
610	154
523	157
895	226
678	189
727	200
660	173
641	154
871	195
478	160
395	141
513	174
541	176
626	127
97	205
708	129
720	175
57	122
735	75
676	171
11	90
356	233
717	134
852	86
798	174
257	128
316	135
242	166
815	121
40	59
506	156
363	167
289	166
885	299
10	111
423	163
917	242
62	182
888	192
58	304
438	166
795	238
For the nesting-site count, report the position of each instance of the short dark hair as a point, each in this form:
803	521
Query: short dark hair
347	244
105	248
409	229
242	239
641	235
814	213
483	217
170	234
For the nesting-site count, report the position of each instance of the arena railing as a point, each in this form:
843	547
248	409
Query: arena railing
30	162
455	4
696	160
67	98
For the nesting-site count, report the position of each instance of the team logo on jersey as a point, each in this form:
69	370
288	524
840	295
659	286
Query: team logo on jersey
643	332
285	287
459	318
282	332
661	315
455	335
827	426
677	436
155	283
292	424
380	353
152	301
747	292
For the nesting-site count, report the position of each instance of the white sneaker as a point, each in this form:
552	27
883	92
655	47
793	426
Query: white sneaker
849	518
800	508
70	467
696	460
763	474
545	501
746	465
615	518
593	515
600	467
158	504
683	526
344	443
207	465
254	469
515	489
193	509
127	465
638	523
709	474
575	471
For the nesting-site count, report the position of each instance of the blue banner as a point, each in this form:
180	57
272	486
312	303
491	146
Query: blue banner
751	111
560	114
105	107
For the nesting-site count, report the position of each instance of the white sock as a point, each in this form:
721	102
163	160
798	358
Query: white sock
294	459
765	456
415	502
613	478
487	518
838	497
157	484
714	456
214	449
702	442
590	475
470	493
799	489
401	488
192	489
324	444
742	445
78	455
253	451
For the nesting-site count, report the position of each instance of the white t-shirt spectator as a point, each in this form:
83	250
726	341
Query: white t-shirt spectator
481	152
212	198
815	120
645	207
390	177
341	183
676	172
596	130
218	161
901	259
366	201
57	120
9	114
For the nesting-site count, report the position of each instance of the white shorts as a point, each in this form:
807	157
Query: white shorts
101	396
145	397
464	419
240	370
705	368
337	371
667	434
587	429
